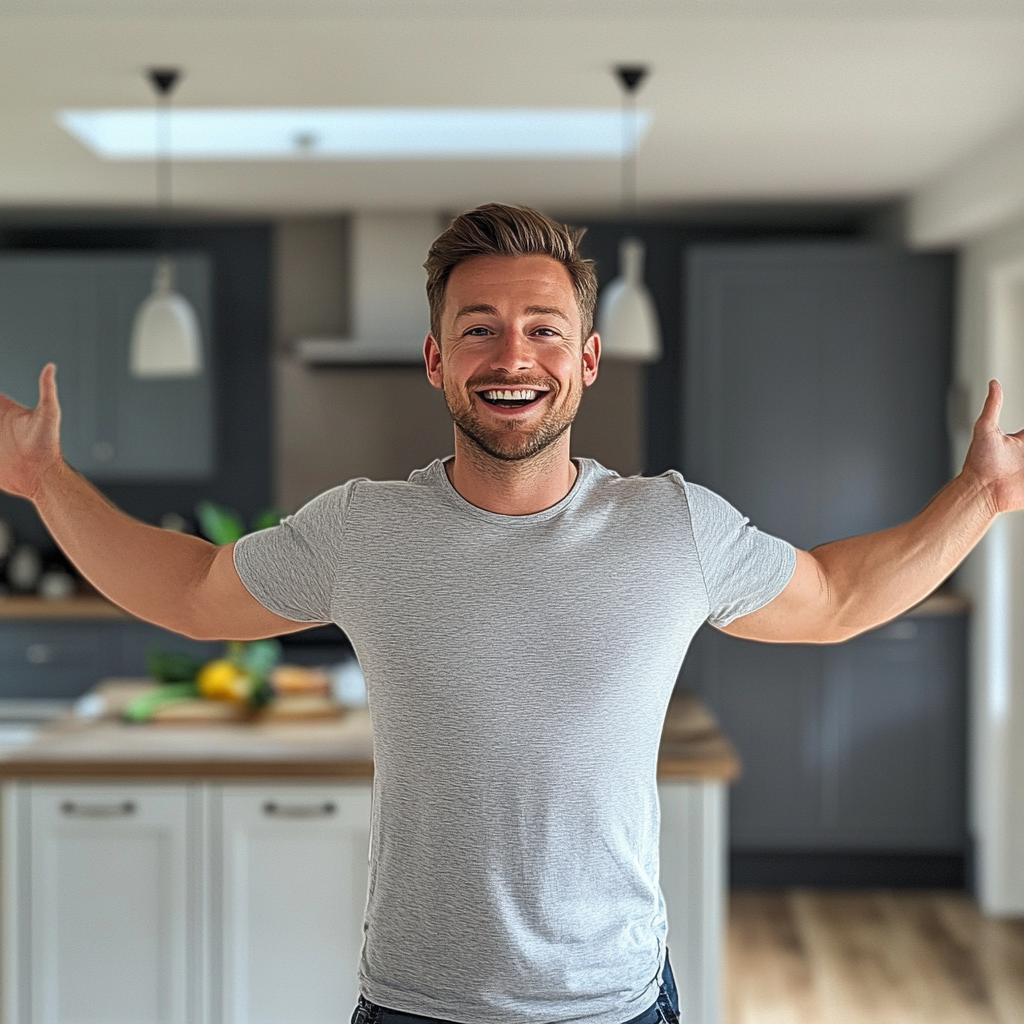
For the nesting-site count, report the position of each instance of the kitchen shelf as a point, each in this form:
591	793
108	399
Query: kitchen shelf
73	608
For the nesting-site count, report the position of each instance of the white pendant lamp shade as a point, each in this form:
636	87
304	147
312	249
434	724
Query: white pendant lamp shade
166	341
626	318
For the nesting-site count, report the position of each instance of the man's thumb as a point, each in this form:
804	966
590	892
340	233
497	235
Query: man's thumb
48	388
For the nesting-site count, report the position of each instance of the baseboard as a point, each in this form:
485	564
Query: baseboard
834	870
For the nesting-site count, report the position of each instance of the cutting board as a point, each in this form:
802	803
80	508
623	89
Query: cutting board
117	694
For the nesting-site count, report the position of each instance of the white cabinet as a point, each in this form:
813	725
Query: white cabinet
108	909
294	875
183	904
243	903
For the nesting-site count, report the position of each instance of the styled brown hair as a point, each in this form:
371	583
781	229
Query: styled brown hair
498	230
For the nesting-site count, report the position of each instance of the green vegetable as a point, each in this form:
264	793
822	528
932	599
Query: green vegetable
169	667
256	658
145	706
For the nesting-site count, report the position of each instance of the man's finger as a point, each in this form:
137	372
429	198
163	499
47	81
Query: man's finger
993	404
48	387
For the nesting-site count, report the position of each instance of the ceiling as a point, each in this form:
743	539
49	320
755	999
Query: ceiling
751	99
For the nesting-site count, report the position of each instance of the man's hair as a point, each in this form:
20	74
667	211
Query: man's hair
498	230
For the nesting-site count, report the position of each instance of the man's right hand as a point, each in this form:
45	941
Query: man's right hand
30	438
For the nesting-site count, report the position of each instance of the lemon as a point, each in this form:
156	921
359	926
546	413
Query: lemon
223	680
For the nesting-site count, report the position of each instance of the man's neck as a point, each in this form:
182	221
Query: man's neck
512	488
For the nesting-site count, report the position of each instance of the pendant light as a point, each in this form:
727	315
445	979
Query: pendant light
166	340
627	319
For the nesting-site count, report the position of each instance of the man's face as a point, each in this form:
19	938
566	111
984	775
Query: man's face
511	360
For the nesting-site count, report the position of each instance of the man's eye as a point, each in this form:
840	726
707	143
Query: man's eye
478	332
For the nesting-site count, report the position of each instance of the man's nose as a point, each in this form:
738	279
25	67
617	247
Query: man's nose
513	352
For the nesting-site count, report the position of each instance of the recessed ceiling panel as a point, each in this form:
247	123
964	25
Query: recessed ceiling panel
356	133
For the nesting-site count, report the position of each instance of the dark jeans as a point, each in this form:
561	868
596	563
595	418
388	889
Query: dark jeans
664	1011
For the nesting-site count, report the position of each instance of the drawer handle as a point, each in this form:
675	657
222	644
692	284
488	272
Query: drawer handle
122	810
38	654
273	810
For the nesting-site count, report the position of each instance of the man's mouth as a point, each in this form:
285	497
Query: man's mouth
511	398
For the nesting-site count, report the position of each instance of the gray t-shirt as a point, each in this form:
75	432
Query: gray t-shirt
518	670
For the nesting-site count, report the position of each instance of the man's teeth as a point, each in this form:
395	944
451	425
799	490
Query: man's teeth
526	395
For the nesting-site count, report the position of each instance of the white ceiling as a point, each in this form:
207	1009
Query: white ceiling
752	99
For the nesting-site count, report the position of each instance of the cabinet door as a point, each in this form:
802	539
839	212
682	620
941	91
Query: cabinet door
893	738
77	311
816	383
293	876
109	929
152	428
56	660
48	314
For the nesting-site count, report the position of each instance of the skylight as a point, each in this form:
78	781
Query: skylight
355	133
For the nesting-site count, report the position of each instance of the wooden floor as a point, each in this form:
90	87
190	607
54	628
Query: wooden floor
814	957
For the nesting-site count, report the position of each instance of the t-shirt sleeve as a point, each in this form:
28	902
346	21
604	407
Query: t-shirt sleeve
743	568
290	568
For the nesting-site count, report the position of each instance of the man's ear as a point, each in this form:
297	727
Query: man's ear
591	357
432	359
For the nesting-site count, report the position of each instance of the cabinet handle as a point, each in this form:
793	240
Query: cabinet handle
121	810
273	810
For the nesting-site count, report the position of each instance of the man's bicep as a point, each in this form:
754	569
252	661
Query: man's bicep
230	610
799	614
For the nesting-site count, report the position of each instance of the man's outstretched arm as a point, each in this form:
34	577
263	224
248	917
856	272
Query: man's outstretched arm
841	589
174	580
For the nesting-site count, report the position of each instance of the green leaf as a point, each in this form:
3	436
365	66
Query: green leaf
220	525
260	657
265	520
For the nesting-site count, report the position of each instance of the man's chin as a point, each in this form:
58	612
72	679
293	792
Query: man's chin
510	446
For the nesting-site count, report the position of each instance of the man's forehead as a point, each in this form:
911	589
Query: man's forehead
536	281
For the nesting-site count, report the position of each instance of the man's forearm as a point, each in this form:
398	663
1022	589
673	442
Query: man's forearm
152	573
873	578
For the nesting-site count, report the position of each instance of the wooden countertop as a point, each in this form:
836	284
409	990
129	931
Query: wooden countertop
693	748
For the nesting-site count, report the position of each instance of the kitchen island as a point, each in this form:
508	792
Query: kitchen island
171	874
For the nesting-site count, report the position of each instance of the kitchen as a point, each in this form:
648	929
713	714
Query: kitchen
861	152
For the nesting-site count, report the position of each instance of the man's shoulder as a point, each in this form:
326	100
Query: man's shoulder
608	482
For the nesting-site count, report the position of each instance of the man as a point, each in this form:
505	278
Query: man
521	618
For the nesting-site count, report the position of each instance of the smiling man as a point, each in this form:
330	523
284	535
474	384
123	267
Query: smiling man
521	618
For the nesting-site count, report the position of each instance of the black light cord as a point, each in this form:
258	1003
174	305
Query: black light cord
163	81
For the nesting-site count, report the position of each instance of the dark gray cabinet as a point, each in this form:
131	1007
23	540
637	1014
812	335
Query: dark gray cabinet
858	746
63	660
77	311
815	402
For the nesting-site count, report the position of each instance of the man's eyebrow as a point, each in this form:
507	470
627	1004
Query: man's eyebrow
489	310
479	308
547	311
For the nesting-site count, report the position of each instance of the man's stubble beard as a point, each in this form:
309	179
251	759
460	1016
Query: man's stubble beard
513	443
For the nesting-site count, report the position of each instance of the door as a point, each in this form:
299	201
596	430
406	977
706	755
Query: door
109	920
293	875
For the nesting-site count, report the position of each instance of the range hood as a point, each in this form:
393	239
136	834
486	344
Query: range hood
390	316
